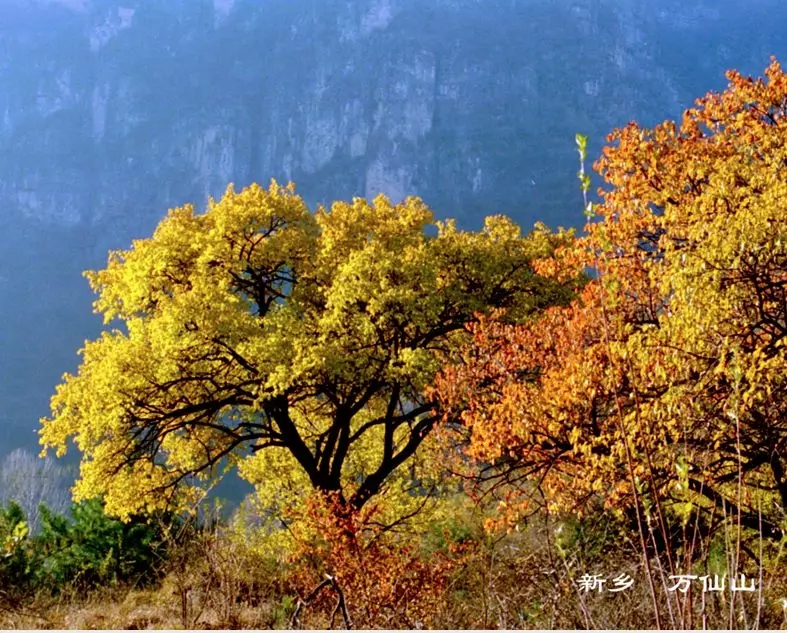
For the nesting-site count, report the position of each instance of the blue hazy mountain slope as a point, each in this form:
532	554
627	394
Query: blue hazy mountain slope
112	111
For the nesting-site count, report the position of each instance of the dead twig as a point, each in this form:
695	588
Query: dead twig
341	604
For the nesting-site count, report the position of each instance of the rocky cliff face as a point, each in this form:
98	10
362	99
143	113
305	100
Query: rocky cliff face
111	111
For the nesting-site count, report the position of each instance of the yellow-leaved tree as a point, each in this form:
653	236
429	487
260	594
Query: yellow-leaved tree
293	345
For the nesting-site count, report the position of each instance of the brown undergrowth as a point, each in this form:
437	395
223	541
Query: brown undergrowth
454	575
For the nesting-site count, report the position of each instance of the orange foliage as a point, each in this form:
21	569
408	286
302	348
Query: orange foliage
668	370
383	580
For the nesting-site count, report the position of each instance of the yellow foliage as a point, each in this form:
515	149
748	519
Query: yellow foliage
293	345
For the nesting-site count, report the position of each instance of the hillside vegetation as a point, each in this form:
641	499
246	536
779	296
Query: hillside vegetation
443	428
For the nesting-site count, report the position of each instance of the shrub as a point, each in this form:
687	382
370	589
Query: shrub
93	549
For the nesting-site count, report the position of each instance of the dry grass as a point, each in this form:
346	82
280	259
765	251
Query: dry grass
525	579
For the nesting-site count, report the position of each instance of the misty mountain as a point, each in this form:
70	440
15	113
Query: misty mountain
113	111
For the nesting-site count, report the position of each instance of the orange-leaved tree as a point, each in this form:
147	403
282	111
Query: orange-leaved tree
665	381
